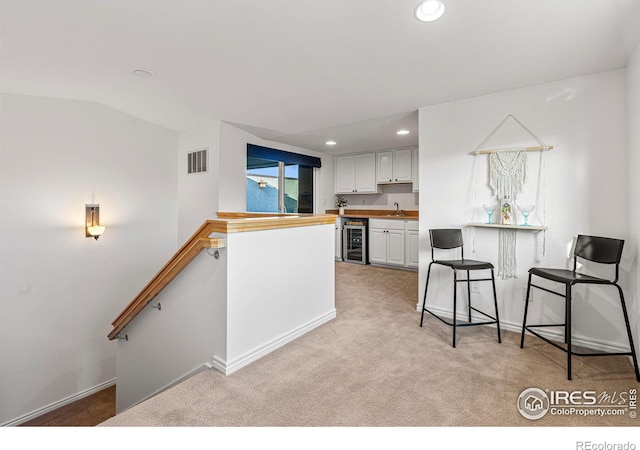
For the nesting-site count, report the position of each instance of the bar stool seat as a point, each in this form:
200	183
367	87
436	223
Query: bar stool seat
465	264
563	276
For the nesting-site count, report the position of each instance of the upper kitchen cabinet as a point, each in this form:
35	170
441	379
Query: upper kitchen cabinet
356	174
395	166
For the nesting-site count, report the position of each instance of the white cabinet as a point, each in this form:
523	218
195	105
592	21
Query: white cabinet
394	242
384	164
356	174
402	165
386	242
415	163
412	243
394	166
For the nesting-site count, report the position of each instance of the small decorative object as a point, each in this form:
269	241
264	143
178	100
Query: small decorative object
341	202
505	211
490	210
526	210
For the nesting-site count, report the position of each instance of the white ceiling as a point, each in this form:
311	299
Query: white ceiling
303	71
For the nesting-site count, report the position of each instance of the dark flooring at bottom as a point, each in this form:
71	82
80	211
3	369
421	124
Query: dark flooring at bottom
86	412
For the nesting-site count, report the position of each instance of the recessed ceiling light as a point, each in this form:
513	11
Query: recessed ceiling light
331	142
143	73
402	132
430	10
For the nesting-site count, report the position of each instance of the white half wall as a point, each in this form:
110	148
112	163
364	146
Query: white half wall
59	291
587	190
280	285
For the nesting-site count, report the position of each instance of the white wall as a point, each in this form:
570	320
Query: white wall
633	107
233	167
60	291
169	344
198	192
586	187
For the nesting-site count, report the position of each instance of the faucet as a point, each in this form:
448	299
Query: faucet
397	208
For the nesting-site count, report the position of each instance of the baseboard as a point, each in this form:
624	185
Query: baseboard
228	367
394	266
60	403
558	336
197	370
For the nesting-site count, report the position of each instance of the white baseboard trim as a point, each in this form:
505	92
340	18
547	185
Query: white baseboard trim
60	403
580	341
197	370
258	352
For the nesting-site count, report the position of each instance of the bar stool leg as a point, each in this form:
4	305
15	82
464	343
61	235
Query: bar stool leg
526	308
455	283
469	295
424	300
567	329
495	303
631	346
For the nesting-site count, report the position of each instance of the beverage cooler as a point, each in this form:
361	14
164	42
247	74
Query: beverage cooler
354	241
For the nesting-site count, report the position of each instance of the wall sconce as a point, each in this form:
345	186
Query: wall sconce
92	223
262	184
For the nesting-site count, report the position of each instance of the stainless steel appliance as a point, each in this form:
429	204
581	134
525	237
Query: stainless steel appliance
354	241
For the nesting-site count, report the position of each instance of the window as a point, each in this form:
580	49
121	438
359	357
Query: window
279	181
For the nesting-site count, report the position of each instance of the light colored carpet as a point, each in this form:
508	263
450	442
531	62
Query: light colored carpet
374	366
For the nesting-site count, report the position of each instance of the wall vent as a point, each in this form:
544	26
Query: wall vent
197	161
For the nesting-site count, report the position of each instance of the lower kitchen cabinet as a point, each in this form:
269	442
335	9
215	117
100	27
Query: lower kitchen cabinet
387	242
412	244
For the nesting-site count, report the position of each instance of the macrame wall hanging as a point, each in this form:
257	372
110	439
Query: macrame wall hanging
507	176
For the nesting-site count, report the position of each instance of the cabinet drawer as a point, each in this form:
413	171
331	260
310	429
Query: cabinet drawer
412	225
387	224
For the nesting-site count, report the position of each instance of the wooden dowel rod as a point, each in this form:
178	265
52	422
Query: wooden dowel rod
526	149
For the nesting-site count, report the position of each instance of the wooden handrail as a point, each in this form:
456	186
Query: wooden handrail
228	222
198	241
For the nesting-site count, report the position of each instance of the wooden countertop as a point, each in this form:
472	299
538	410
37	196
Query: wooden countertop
375	214
237	222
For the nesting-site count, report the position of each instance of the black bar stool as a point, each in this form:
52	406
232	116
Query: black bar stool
601	250
448	239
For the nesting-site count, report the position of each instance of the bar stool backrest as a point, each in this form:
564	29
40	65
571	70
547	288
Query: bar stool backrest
446	239
601	250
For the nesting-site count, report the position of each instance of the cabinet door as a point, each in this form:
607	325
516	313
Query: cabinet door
413	242
395	247
365	173
384	167
377	245
402	162
345	174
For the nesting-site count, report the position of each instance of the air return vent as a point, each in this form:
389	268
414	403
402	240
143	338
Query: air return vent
197	161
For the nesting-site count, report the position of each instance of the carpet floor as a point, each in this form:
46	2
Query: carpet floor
374	366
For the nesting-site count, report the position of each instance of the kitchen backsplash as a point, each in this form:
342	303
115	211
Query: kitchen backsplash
392	194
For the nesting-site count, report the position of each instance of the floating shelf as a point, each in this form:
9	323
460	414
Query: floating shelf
510	227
